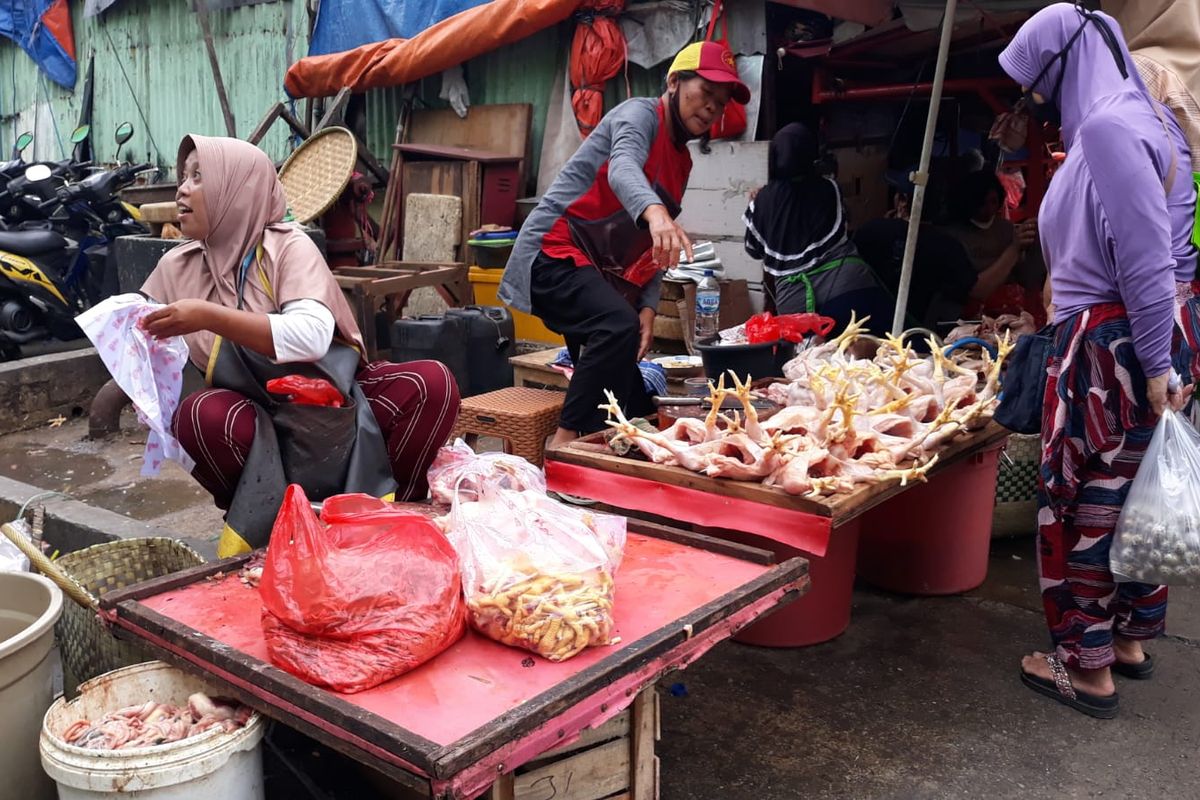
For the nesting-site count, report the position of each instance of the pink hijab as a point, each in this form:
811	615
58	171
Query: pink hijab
246	206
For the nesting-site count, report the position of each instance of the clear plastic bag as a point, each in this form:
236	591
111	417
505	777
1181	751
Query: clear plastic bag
459	469
1157	539
538	574
11	557
361	595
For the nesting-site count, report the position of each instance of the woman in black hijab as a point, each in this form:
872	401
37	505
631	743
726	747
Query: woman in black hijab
796	226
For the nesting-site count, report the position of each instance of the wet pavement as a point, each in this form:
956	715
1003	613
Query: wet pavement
920	698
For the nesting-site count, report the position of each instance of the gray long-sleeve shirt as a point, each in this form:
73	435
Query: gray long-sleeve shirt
622	140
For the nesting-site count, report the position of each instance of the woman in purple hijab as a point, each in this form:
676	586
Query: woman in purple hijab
1116	235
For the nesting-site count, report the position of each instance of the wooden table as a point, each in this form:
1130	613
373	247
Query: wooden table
471	716
386	288
533	369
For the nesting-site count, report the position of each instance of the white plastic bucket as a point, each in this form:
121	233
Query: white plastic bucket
29	607
218	765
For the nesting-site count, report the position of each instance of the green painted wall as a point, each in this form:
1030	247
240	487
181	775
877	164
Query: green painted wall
150	53
152	70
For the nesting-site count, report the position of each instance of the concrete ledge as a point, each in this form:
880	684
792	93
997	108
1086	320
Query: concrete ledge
71	525
38	389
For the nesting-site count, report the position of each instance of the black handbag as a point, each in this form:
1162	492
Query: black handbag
1023	389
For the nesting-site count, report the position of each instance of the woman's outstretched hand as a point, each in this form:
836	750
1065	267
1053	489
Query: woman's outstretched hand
669	238
179	318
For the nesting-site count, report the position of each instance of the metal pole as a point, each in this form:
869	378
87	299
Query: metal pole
921	176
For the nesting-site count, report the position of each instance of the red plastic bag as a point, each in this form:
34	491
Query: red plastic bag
306	391
766	327
361	595
762	328
794	327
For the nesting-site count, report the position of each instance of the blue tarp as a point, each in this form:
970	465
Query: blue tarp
346	24
43	30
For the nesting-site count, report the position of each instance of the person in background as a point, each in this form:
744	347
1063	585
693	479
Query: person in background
996	246
796	226
991	242
944	280
1116	229
589	259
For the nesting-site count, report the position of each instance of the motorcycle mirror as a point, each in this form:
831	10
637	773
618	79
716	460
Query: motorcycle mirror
81	133
38	173
23	141
124	133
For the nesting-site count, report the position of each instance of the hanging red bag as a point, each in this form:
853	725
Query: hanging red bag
762	328
796	327
361	595
733	122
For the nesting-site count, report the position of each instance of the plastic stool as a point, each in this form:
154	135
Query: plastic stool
524	418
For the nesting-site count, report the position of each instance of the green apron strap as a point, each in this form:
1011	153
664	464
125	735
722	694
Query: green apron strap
810	295
1196	224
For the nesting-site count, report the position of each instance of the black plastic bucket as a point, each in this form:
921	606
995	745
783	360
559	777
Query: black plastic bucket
764	360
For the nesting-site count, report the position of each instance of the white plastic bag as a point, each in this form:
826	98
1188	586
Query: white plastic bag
458	468
148	370
1157	539
538	574
11	558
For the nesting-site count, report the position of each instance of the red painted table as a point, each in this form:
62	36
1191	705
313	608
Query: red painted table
480	709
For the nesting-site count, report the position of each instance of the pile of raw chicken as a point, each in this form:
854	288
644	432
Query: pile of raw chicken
845	421
154	724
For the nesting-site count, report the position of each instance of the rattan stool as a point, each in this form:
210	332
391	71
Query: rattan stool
523	418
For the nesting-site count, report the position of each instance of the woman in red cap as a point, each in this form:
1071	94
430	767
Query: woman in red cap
589	259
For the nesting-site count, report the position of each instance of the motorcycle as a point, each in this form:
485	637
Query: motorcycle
54	268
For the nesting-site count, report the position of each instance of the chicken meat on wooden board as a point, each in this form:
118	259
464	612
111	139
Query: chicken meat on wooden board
846	421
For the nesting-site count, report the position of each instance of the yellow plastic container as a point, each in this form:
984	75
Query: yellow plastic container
486	282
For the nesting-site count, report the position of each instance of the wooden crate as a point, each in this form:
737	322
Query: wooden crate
615	761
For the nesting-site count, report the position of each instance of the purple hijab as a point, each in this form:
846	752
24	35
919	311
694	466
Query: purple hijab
1110	231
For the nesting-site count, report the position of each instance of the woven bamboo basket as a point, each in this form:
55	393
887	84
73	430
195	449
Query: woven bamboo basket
1016	487
315	176
88	649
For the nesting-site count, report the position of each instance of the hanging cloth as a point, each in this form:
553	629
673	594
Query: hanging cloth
597	55
732	123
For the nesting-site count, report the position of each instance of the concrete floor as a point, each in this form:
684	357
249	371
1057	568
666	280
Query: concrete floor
918	699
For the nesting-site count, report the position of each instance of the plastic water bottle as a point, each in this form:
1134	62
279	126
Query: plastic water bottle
708	306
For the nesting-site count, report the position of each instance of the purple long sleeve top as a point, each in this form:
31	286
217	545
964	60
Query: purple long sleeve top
1110	231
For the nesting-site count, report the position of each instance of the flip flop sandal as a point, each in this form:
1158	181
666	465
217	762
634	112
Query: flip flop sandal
1060	689
1138	672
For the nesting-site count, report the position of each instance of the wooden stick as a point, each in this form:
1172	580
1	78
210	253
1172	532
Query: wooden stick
261	129
202	16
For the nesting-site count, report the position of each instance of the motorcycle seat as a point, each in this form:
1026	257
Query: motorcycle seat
31	243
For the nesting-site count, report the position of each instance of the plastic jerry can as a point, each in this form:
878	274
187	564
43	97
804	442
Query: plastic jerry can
491	341
433	337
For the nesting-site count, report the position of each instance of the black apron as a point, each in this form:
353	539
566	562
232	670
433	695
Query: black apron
326	450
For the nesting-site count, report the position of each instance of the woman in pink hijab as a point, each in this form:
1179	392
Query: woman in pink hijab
255	300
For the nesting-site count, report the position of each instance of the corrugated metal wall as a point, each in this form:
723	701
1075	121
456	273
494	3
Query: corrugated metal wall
150	53
152	70
519	73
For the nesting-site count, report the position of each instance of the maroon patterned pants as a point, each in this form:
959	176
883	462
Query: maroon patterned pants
416	405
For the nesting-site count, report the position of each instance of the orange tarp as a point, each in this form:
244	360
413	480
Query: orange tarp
452	41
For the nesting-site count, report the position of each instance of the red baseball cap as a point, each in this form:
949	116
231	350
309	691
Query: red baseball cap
714	62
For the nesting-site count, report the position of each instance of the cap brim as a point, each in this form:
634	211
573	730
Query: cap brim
741	92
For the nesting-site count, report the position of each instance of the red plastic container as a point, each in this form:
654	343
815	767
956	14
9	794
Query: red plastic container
823	613
933	539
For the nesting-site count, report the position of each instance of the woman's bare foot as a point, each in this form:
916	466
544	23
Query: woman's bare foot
1096	682
1128	651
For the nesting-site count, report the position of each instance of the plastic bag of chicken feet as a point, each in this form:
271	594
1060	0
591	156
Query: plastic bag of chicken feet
1157	539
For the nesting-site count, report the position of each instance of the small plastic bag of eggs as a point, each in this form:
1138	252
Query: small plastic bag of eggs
1157	538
